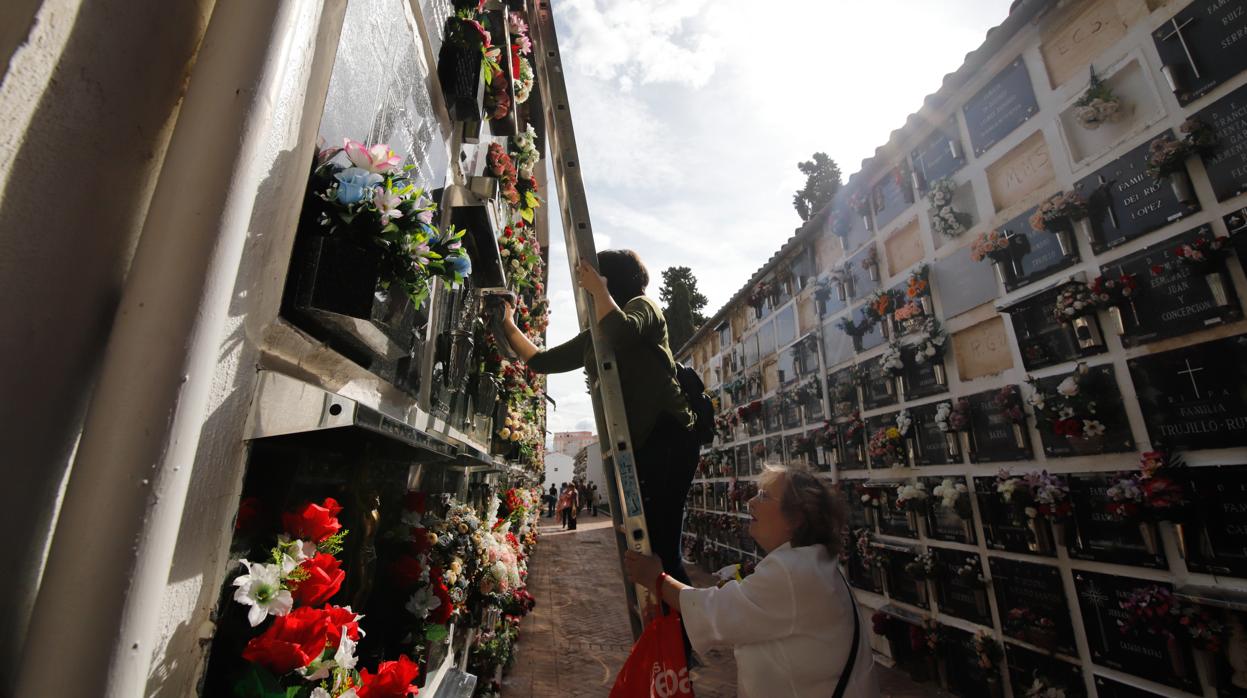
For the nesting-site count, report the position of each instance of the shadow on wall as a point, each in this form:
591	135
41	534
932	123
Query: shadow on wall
91	123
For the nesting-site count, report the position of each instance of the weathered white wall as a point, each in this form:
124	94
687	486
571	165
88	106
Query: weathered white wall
89	94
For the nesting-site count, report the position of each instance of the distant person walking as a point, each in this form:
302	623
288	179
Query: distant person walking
573	510
565	504
551	499
593	497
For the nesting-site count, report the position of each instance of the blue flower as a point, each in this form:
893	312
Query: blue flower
355	183
459	264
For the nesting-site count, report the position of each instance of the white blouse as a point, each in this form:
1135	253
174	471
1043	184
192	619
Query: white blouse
790	624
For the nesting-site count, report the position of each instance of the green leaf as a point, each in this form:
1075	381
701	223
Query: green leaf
435	633
258	682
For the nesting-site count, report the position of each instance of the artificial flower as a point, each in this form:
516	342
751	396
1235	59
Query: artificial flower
261	589
324	579
314	521
392	680
378	159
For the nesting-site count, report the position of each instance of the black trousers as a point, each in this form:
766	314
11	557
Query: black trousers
665	466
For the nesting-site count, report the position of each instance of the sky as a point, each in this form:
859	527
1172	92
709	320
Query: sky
691	117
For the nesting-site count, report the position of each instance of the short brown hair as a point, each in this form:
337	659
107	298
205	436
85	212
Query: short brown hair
809	502
626	276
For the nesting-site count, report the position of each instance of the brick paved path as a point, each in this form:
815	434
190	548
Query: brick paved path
577	637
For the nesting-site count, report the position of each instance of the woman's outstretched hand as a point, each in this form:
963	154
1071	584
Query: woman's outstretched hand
642	569
589	279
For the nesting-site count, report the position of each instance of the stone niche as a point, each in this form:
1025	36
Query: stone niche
1141	107
1021	172
1078	33
982	349
904	248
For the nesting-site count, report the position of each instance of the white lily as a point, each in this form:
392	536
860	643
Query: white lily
261	589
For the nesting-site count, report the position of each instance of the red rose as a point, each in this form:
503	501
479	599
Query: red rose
325	577
406	571
338	617
314	522
420	542
414	501
392	680
291	642
248	514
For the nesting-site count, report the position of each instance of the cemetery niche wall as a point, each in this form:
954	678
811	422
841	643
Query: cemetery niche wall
1044	430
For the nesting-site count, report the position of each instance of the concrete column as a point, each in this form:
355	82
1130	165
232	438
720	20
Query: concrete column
95	622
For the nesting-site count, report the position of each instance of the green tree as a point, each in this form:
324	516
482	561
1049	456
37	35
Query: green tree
683	304
821	184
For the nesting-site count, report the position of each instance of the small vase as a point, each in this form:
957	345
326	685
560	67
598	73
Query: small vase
994	687
911	452
1216	284
873	272
866	221
920	586
1086	333
980	601
1003	273
911	520
1151	538
900	388
1181	185
842	291
1063	240
876	579
1206	665
1083	226
1040	538
1119	320
1176	660
872	517
927	307
952	439
1018	436
885	327
937	367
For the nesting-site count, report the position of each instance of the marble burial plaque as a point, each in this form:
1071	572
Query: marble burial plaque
1036	591
1108	688
1216	540
842	393
1203	46
921	379
1125	202
837	346
1109	411
857	510
957	596
902	586
852	447
863	285
1226	164
1042	339
993	437
861	575
939	155
964	283
932	446
965	677
880	386
943	523
891	195
1021	173
983	349
1140	654
1004	528
1099	535
893	521
1025	666
873	337
1037	255
1173	298
1003	104
1195	397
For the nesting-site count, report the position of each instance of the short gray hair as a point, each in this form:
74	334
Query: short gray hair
817	513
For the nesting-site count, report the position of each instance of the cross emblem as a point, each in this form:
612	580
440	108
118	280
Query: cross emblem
1097	598
1190	371
1177	31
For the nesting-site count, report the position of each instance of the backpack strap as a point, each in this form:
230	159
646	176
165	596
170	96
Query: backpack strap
843	684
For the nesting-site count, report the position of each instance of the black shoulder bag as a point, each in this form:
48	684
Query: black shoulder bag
843	684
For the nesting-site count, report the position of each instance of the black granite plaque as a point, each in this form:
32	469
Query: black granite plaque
1099	535
1150	656
939	155
857	510
1195	397
1108	688
1042	340
1173	298
891	195
842	393
879	389
1003	104
852	446
790	408
960	596
1029	596
932	446
921	379
1037	255
902	586
893	521
861	575
1026	666
993	436
965	677
1005	526
1126	202
1216	537
945	523
1226	163
1203	46
1109	411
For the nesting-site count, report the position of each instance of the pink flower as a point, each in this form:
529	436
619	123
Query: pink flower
379	158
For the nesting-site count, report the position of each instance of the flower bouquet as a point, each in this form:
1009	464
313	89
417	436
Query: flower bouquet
1008	402
893	360
870	560
1153	493
853	330
988	652
954	496
1205	255
953	418
1025	624
1153	611
999	249
1167	156
1098	105
878	310
886	448
930	348
945	219
841	279
870	263
872	501
854	429
1018	496
1072	410
1075	306
860	203
1112	294
919	570
467	63
912	499
1057	215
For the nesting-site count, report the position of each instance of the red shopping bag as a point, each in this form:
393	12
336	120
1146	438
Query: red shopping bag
657	667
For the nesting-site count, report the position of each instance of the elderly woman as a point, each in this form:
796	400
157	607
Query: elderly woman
793	623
